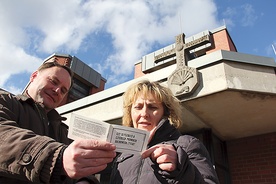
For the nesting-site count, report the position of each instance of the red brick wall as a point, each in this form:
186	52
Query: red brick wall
138	71
222	41
94	90
253	159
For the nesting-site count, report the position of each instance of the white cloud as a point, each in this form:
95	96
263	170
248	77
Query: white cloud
249	16
244	15
13	89
137	27
40	28
15	60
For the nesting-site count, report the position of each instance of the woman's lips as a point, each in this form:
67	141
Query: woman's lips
144	124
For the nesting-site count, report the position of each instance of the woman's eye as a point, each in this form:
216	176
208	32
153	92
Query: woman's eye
137	107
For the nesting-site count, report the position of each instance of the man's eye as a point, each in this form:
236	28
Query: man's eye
53	81
63	91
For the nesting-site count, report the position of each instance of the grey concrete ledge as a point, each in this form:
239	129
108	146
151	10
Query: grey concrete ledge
222	55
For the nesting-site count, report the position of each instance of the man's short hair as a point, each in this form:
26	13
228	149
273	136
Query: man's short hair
56	64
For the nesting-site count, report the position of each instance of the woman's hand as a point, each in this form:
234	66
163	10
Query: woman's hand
164	154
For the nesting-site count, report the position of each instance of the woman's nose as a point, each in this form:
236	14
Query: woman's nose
144	112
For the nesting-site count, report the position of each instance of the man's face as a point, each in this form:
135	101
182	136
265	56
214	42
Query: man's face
49	86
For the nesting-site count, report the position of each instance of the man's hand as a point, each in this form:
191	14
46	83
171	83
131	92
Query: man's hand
85	157
164	154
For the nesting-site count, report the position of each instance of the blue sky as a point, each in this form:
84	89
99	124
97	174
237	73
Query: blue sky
112	35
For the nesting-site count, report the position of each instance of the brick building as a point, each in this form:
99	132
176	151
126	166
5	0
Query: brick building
247	156
228	99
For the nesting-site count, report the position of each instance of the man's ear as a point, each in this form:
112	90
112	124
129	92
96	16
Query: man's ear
33	76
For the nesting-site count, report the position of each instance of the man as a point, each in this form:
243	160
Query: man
34	147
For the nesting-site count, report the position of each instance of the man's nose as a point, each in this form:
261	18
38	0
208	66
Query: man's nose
57	90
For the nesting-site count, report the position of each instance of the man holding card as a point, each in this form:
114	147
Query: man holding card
33	140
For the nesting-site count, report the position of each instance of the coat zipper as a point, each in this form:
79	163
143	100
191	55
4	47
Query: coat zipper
43	118
140	171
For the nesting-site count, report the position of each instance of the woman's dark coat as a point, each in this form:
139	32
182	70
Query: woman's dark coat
194	165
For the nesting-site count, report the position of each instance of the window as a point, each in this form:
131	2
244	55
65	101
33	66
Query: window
79	90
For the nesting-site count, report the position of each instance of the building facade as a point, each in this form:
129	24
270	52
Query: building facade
228	100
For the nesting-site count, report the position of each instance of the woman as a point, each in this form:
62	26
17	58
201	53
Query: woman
170	157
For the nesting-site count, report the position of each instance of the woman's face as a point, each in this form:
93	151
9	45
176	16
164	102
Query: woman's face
146	112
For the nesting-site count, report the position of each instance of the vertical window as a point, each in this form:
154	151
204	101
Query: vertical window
218	153
78	91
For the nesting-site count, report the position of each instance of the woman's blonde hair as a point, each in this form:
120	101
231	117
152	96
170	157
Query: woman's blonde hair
172	106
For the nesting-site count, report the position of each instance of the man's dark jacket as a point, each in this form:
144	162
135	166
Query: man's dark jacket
30	141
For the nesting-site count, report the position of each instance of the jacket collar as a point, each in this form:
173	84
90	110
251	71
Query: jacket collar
52	114
164	132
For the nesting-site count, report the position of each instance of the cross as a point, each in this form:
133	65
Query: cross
182	49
